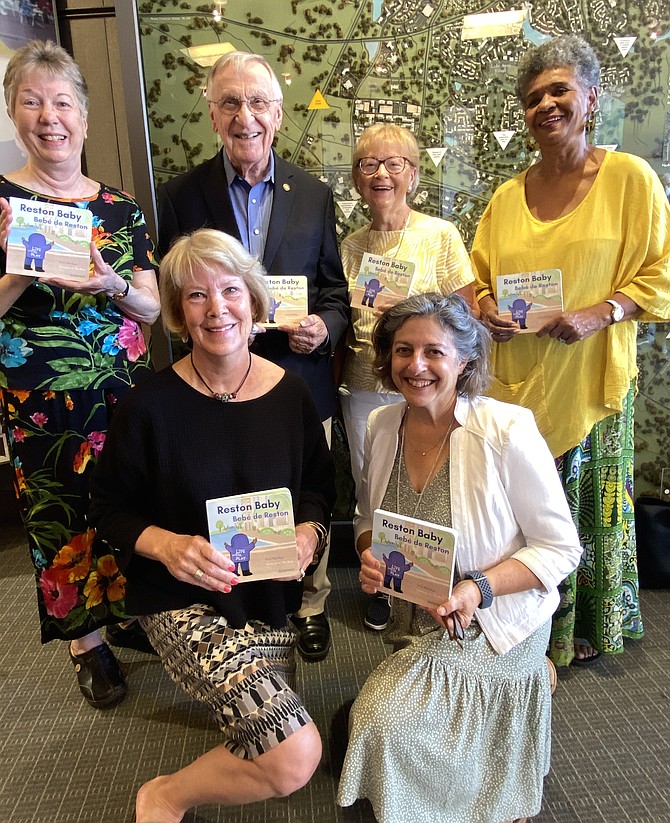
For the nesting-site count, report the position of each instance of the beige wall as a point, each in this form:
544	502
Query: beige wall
92	39
88	30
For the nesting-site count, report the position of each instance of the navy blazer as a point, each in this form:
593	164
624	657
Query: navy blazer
301	240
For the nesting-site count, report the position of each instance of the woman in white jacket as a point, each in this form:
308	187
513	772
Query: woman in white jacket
458	732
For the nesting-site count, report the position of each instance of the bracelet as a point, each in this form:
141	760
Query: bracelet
121	295
321	539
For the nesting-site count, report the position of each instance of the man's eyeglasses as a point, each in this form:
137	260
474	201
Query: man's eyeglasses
393	165
231	105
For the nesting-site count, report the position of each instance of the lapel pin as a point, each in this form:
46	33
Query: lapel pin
286	187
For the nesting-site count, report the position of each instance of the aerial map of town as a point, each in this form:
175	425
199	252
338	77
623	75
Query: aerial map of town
443	68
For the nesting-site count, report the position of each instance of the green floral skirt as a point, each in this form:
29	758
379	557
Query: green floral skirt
55	438
600	602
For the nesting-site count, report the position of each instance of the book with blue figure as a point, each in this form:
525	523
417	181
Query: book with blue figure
257	531
417	557
530	298
49	240
382	282
290	299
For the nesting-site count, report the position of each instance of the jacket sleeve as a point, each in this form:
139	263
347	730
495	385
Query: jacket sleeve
332	302
539	504
168	222
363	512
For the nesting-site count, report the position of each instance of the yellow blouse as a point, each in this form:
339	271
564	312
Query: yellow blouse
616	239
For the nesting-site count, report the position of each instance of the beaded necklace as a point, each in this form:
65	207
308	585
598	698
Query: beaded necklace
223	397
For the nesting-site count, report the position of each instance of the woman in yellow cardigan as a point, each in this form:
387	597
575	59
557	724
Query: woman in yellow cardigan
602	218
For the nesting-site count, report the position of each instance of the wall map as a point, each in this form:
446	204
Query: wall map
446	70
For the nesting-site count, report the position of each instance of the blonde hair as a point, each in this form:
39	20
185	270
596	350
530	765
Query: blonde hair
213	250
390	133
48	57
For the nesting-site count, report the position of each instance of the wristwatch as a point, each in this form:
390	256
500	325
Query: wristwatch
617	311
483	585
121	295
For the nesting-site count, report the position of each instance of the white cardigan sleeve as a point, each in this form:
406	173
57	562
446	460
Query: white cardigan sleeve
538	501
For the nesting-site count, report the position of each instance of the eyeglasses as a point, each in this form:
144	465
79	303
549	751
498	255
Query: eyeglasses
456	633
393	165
231	105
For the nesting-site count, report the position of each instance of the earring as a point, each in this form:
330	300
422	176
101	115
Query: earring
529	143
590	124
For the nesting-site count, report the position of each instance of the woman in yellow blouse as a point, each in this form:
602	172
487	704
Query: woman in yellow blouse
385	170
603	219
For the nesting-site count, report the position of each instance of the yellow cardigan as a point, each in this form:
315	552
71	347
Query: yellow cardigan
617	239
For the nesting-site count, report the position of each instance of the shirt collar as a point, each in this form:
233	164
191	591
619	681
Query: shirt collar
232	175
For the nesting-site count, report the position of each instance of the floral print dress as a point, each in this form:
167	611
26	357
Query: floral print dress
66	359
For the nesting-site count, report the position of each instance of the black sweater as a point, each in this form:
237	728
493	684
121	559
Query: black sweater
170	448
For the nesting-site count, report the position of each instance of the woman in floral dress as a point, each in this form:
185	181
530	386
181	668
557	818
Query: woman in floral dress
68	352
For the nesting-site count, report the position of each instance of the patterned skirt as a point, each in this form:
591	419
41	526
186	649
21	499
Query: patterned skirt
600	601
55	438
244	676
440	733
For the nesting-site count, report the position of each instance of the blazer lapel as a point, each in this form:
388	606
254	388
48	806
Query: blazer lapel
282	204
217	198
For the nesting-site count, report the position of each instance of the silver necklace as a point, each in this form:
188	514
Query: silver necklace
432	468
223	397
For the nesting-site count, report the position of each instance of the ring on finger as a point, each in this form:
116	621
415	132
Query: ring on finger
198	574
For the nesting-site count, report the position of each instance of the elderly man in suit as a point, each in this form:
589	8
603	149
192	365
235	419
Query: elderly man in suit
286	217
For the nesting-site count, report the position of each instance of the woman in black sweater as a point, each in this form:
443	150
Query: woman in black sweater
219	422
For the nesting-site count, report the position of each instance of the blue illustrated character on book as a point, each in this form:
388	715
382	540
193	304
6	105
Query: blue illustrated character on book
372	289
239	549
274	305
396	566
520	309
36	248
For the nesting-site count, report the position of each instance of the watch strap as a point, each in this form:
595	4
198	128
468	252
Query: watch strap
483	585
617	312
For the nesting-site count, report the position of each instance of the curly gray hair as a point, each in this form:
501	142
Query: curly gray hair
566	50
471	339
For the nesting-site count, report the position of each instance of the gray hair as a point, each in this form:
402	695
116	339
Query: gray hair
45	56
390	133
567	50
471	339
238	61
213	250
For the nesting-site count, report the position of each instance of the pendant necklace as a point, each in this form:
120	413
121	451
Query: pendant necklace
223	397
402	236
419	451
432	468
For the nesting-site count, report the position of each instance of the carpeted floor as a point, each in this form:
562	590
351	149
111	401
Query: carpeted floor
63	762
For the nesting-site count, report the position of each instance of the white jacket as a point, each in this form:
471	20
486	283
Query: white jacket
506	501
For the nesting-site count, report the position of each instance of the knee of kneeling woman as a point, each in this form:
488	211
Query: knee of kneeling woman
296	761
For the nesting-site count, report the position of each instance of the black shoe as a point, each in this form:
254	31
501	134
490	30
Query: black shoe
100	679
314	640
130	637
378	613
